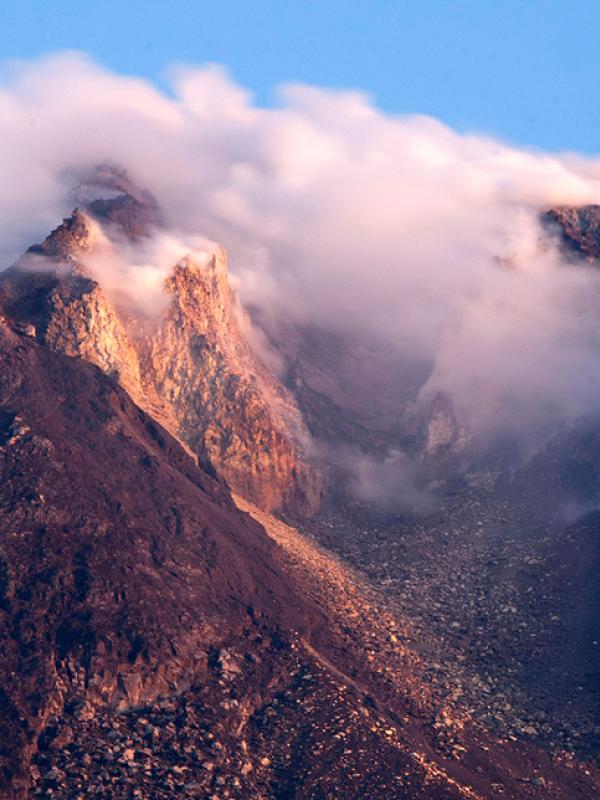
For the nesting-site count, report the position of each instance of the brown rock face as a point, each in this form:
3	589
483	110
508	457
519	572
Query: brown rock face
121	562
579	229
49	289
191	367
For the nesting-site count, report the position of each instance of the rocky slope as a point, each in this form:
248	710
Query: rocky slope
156	643
123	565
160	640
497	580
190	364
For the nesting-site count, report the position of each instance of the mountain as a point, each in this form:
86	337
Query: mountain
191	365
112	198
154	644
123	563
166	634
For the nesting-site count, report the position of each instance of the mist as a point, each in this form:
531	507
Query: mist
333	214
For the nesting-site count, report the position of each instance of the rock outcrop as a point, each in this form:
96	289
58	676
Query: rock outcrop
228	407
189	365
578	229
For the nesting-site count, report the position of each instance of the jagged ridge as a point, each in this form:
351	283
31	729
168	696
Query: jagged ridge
190	367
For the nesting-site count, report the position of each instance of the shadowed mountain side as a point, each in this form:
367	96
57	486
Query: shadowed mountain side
121	562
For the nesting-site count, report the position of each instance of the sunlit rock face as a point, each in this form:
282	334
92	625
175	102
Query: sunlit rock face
226	403
189	364
49	288
129	563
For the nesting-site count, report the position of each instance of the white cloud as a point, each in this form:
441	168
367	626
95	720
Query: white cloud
332	212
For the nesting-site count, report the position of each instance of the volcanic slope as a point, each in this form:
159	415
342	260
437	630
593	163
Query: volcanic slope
157	643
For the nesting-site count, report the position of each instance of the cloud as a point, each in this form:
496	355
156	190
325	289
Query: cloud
390	484
333	213
133	273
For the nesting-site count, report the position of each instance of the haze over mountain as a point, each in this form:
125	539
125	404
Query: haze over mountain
370	327
332	214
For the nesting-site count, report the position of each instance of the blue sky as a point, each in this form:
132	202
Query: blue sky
526	71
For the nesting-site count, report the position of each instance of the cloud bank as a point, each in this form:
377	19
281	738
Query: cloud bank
333	213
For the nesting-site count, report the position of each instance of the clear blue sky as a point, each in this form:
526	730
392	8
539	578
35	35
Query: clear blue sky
527	70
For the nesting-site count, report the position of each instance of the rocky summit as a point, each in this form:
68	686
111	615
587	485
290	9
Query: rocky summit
202	591
190	365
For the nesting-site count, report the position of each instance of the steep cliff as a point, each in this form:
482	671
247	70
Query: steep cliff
49	290
189	365
578	229
227	405
122	563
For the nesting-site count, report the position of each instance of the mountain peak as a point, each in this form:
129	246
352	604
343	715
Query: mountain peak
76	234
191	365
109	195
